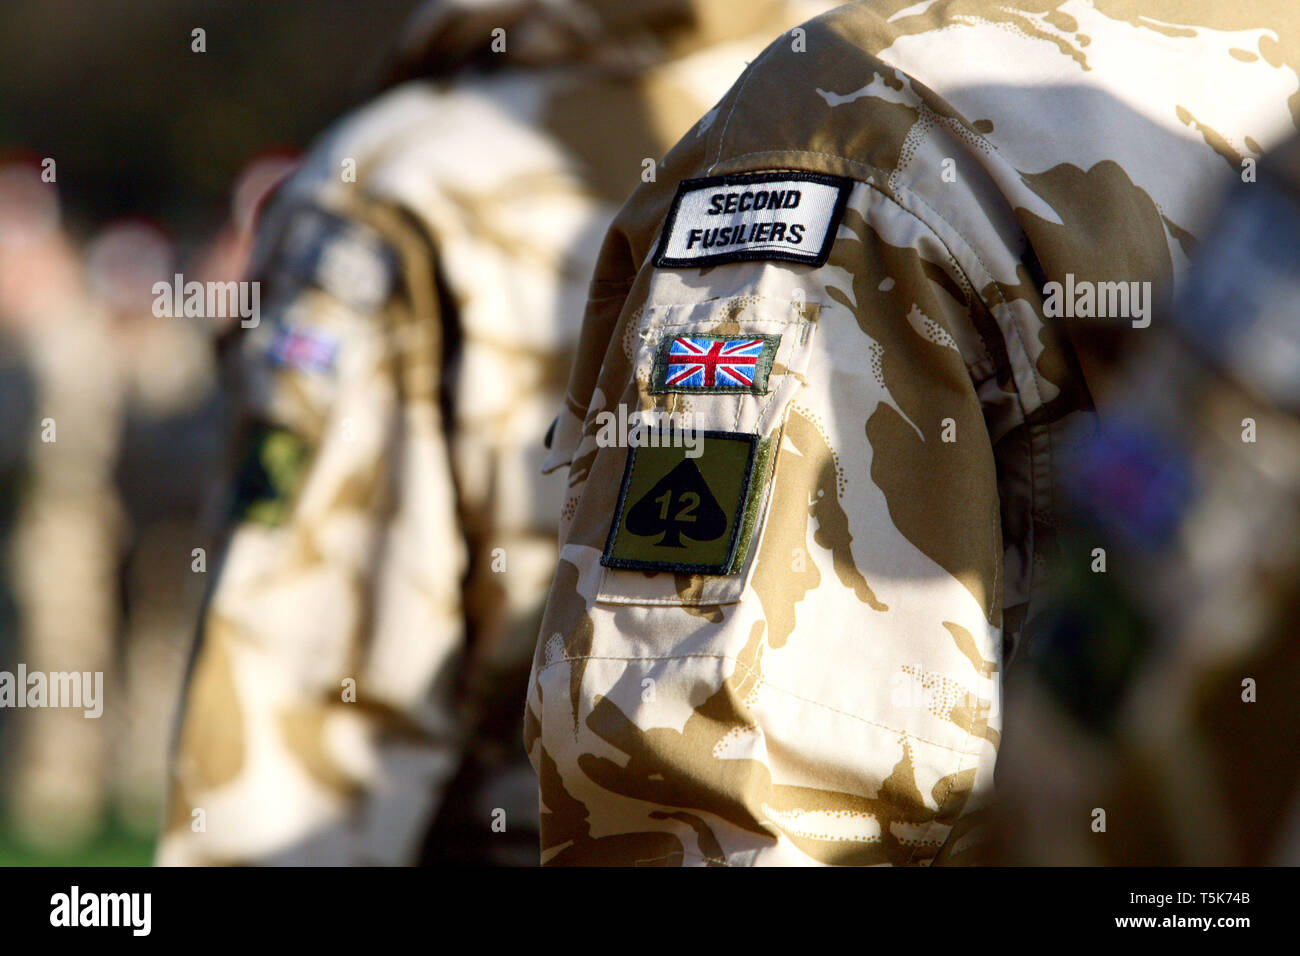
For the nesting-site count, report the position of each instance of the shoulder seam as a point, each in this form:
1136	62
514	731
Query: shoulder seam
905	199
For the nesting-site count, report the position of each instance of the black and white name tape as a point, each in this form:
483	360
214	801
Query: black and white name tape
789	216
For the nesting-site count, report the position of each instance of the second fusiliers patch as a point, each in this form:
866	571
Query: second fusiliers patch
678	513
783	216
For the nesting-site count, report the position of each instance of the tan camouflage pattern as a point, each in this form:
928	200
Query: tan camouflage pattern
418	550
95	578
839	700
66	540
1202	765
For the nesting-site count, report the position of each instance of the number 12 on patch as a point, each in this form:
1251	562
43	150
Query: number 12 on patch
677	513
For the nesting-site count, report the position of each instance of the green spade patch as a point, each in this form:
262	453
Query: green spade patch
677	513
271	469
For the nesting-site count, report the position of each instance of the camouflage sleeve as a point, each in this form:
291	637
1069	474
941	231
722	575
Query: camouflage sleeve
774	633
318	724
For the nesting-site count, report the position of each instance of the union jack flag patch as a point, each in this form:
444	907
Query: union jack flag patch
714	363
304	349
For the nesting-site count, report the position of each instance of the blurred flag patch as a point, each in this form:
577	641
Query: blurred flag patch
308	350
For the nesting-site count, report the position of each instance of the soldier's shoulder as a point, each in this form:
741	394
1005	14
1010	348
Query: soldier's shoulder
408	163
781	115
782	110
417	140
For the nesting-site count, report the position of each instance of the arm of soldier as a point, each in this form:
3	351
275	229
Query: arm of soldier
318	722
783	649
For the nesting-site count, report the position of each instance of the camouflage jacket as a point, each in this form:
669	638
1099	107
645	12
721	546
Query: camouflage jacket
777	633
374	616
1157	717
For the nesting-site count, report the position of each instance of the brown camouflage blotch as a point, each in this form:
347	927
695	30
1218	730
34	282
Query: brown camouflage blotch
960	474
303	728
212	735
567	616
965	642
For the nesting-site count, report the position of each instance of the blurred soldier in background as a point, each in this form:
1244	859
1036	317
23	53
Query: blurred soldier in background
63	555
121	437
1158	721
366	643
168	447
789	647
24	203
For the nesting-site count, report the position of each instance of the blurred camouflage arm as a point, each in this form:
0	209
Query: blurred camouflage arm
319	724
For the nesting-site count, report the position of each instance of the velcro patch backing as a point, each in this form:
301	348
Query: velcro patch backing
677	513
788	216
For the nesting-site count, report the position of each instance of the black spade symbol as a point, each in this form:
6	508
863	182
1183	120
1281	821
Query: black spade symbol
679	504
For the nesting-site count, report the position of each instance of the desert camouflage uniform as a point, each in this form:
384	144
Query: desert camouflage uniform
831	693
168	447
90	507
65	550
378	604
67	516
1160	711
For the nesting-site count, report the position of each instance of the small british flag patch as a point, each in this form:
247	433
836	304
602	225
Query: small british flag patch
714	363
307	350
